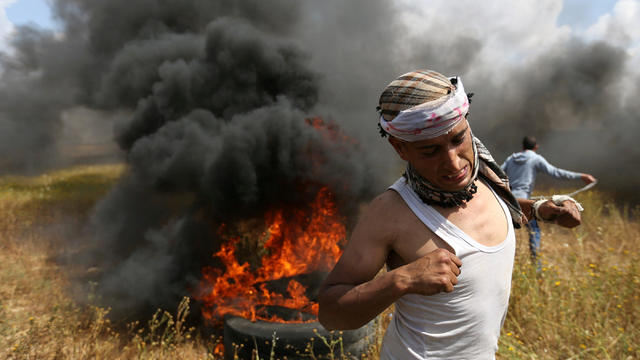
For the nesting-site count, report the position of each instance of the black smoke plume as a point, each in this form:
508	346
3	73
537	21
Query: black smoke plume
224	126
210	99
216	100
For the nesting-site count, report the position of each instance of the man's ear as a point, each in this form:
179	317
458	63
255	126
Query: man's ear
399	146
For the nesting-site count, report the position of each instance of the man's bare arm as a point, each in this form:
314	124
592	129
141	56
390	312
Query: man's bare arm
352	294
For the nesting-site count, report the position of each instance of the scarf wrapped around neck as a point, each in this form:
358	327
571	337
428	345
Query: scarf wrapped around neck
484	166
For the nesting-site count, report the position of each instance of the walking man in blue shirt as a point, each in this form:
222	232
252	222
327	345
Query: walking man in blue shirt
522	168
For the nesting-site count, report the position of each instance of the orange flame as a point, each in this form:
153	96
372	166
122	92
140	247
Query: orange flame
218	350
331	131
300	244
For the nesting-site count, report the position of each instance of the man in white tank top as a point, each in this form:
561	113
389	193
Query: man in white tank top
444	230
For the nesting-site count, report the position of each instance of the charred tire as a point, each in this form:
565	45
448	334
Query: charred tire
293	340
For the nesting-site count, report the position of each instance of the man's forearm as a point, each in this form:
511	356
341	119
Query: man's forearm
565	214
526	205
347	307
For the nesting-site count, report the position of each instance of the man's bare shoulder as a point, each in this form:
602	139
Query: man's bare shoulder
384	212
384	203
374	234
391	222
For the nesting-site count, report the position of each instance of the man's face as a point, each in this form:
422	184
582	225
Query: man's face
445	161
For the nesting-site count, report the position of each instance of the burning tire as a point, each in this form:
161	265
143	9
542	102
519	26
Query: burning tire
293	340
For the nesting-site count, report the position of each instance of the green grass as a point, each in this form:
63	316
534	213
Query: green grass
583	305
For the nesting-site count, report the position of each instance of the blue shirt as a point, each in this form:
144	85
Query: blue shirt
522	167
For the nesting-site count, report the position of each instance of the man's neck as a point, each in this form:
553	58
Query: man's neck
482	218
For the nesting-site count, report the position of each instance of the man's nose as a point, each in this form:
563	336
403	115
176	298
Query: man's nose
452	160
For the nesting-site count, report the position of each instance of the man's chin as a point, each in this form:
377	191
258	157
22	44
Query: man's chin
457	186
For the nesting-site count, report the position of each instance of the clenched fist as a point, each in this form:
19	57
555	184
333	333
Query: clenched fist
433	273
566	215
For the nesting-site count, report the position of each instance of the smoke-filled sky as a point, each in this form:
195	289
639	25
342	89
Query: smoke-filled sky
564	71
577	14
206	99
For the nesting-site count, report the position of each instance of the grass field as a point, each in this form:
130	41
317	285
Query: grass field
582	305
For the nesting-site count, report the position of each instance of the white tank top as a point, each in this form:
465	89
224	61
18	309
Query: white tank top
462	324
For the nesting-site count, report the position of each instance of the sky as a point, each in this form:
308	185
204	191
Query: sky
28	11
580	18
577	14
580	14
22	12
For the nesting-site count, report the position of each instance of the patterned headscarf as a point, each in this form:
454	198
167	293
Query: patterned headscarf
421	105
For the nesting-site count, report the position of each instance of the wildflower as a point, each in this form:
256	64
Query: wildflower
508	334
557	283
583	346
593	266
511	348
